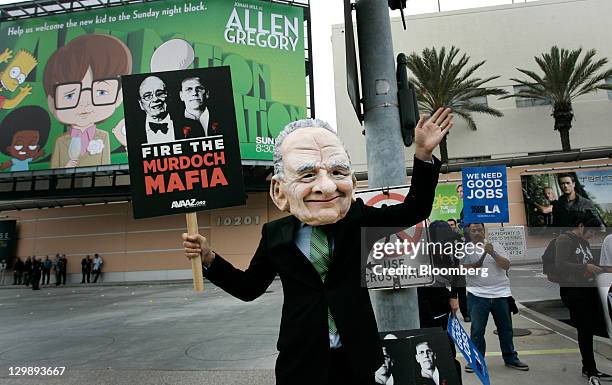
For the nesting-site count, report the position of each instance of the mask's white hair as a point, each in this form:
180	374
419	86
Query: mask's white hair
289	128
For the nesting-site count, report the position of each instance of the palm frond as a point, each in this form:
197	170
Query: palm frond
445	77
564	76
468	119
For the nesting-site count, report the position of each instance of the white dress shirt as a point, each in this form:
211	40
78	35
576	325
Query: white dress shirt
160	137
302	241
204	119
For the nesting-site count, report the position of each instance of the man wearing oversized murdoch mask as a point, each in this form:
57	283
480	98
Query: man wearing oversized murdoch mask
328	332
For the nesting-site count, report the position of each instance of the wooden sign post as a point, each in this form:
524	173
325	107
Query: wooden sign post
196	263
180	166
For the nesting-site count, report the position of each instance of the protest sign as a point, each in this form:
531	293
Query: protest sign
485	195
412	356
512	238
468	349
182	143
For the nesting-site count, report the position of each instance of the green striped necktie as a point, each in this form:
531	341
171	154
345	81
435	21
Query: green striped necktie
320	257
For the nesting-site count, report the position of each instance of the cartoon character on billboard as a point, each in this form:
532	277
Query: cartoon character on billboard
173	55
15	74
83	88
25	131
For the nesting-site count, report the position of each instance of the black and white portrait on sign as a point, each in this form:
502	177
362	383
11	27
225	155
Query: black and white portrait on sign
153	96
423	358
195	95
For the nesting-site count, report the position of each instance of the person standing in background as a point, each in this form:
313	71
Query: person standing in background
86	268
58	269
18	272
36	273
2	271
27	271
63	268
578	269
46	270
97	266
490	294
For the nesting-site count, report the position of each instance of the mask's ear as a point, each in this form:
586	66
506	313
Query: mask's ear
278	194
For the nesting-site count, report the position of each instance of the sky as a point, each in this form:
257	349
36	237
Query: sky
326	13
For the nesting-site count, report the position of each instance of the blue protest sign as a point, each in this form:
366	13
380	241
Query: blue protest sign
468	349
485	195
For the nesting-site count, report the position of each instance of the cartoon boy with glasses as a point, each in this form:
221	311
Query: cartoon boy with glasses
81	81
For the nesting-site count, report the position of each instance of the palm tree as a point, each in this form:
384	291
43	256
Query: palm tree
565	78
442	81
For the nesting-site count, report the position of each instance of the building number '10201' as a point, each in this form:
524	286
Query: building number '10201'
237	220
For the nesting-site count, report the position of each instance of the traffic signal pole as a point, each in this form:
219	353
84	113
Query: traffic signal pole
394	309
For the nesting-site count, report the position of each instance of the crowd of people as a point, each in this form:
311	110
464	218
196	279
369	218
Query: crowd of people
475	296
36	271
568	261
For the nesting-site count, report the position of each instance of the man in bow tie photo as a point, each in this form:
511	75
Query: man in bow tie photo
153	97
328	333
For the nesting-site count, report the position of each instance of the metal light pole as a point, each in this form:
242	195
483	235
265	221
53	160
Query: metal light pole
394	309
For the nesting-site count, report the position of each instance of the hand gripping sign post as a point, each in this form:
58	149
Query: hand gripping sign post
182	145
468	349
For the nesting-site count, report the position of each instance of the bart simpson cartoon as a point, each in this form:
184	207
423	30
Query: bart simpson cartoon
15	74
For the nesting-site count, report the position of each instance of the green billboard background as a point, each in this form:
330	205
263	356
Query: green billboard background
447	203
269	83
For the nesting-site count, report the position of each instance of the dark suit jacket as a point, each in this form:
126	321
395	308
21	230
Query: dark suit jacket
186	128
303	341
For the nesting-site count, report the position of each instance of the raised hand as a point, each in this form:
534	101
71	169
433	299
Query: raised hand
25	90
430	132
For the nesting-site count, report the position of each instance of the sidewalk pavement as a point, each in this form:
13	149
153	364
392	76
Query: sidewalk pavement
168	334
553	358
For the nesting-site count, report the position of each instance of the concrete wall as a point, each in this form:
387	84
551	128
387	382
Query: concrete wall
136	250
507	37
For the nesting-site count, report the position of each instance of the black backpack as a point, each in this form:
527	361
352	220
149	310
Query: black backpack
548	261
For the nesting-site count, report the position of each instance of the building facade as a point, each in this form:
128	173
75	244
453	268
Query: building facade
507	37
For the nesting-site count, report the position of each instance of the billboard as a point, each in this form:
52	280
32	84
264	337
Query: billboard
550	198
447	203
60	102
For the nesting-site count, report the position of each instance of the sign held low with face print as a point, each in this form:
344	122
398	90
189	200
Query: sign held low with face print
182	142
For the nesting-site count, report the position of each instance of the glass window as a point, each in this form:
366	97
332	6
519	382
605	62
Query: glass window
529	102
482	100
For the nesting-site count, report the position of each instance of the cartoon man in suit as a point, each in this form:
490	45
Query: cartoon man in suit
328	332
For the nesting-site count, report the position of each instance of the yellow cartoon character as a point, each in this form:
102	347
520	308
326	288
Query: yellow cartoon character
15	74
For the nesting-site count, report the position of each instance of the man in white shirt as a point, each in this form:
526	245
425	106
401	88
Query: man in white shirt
97	267
489	293
159	125
195	96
